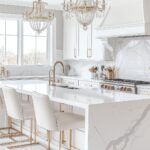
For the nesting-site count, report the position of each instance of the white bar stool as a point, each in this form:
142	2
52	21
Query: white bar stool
16	110
54	121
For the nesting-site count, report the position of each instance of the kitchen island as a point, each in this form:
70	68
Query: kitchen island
113	120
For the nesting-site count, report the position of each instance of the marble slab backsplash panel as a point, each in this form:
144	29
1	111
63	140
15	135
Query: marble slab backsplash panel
133	59
113	129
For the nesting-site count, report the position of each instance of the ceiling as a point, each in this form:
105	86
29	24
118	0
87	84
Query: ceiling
56	4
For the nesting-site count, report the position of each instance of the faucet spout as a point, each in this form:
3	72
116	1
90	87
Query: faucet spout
53	80
54	73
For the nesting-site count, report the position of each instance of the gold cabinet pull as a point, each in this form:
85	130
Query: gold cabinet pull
89	53
75	53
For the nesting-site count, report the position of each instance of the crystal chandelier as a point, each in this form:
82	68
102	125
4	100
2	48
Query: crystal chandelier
39	17
84	10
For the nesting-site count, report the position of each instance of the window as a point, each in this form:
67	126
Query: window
19	44
8	41
34	46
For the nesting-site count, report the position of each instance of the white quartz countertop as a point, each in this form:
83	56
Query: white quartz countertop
75	97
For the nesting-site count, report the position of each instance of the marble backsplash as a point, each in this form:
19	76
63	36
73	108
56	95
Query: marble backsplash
131	59
81	67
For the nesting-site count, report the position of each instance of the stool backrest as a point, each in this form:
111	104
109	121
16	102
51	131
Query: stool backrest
44	112
13	103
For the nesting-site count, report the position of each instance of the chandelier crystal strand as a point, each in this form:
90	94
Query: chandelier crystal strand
39	17
84	10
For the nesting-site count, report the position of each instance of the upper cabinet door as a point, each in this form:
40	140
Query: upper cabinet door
85	42
82	44
70	41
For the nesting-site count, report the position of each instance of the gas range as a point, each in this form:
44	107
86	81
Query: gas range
123	85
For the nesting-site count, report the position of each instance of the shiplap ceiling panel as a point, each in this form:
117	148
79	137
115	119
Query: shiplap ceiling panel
52	3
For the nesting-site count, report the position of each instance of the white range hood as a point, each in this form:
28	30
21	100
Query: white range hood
126	18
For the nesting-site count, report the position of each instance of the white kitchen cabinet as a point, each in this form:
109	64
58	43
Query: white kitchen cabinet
90	47
85	42
80	44
70	41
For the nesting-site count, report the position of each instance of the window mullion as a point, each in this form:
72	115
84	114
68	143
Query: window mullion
35	61
19	58
48	45
5	44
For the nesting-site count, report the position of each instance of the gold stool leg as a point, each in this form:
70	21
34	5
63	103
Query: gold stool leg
63	137
62	134
21	126
9	124
31	126
49	140
60	140
70	139
35	130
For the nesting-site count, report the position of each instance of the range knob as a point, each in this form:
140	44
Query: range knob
121	89
103	86
112	88
108	87
124	89
129	89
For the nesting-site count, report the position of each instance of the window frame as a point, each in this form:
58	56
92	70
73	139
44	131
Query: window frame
50	48
5	34
35	36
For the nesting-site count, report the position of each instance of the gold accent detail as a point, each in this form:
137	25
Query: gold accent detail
31	128
22	145
60	140
49	139
21	126
52	79
39	17
3	71
84	11
17	133
89	50
70	139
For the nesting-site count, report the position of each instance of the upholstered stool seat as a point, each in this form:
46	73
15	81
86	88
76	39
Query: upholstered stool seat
28	111
66	120
50	120
17	110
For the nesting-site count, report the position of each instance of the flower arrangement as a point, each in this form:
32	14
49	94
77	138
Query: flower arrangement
93	69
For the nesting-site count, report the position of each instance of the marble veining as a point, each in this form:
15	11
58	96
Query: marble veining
122	142
122	127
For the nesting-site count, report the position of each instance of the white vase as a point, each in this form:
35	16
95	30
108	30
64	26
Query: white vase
93	75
